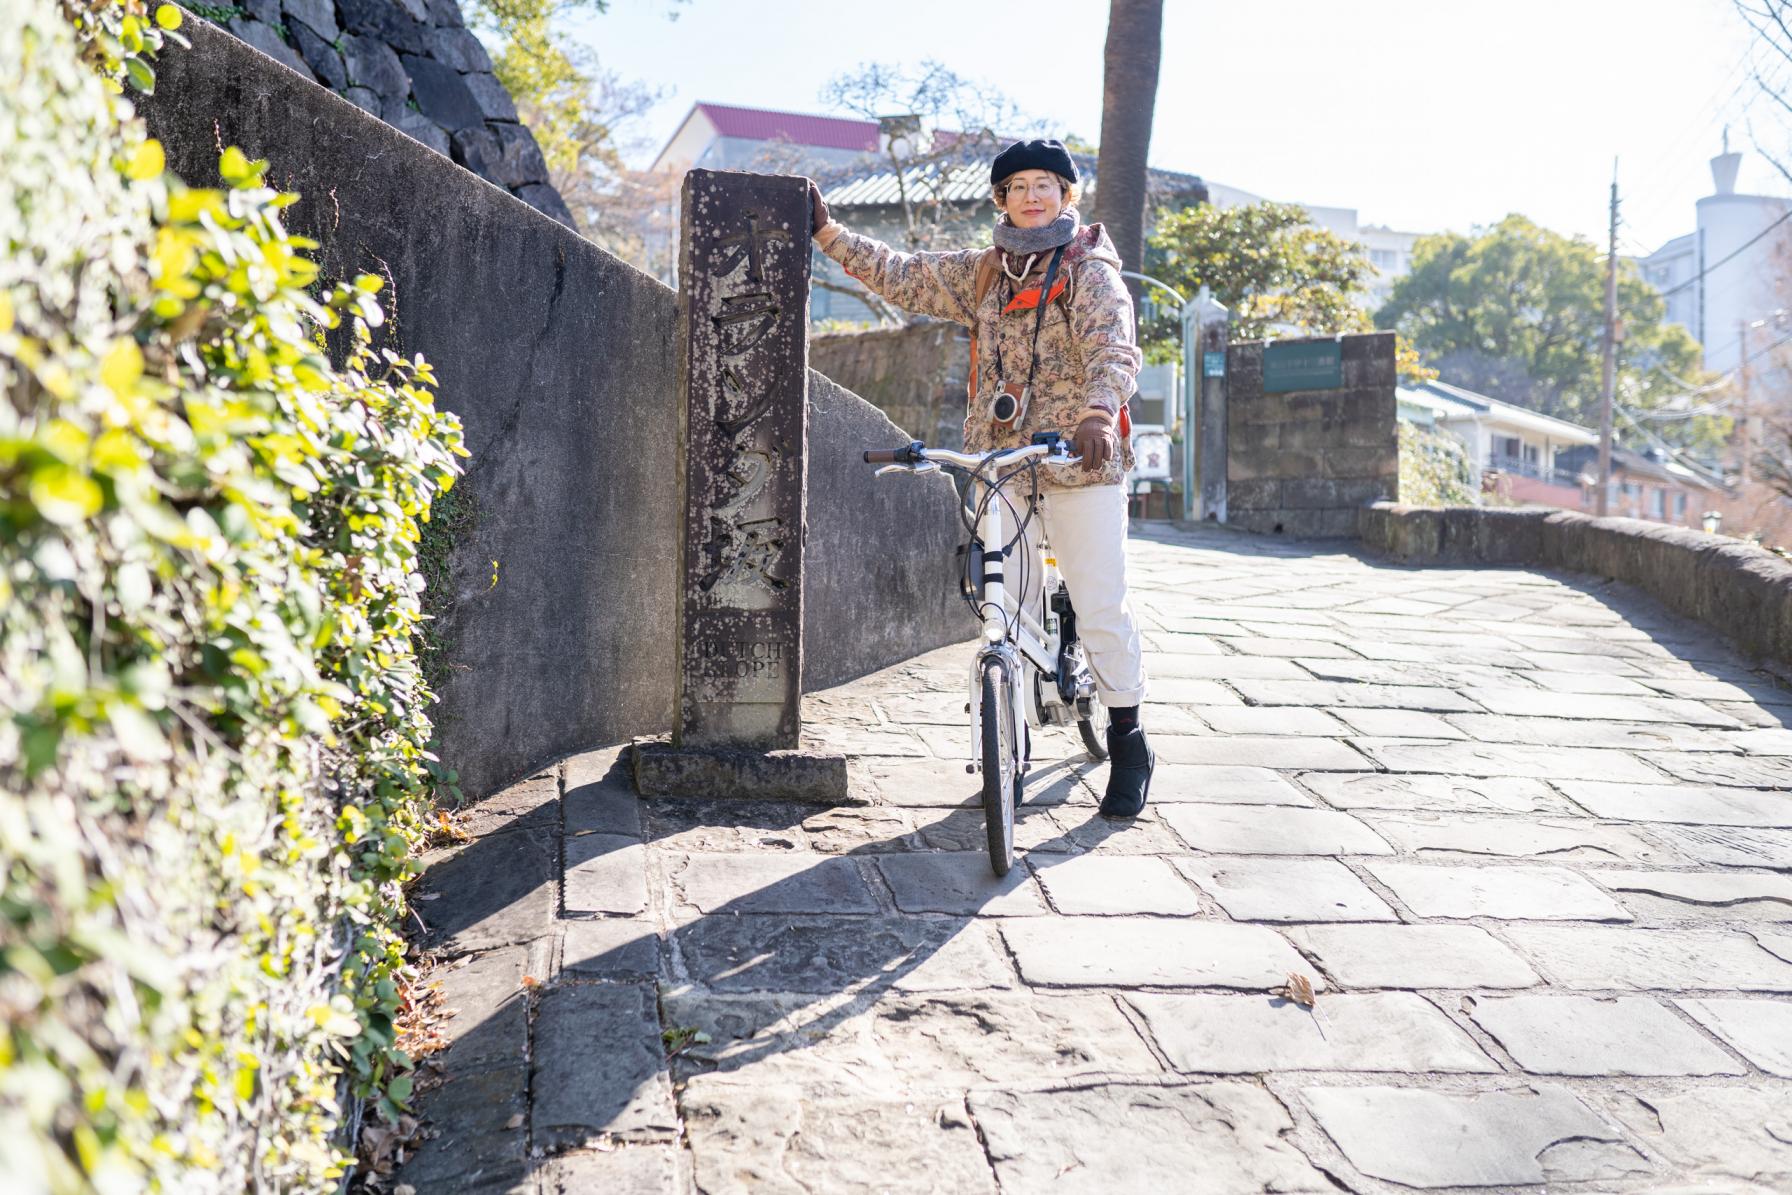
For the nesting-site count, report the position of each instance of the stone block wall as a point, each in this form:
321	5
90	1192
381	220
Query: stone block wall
560	361
915	375
1304	462
412	64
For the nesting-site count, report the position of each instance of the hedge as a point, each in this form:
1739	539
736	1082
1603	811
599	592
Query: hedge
213	729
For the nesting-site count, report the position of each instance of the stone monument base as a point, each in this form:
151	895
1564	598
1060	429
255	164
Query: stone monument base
662	770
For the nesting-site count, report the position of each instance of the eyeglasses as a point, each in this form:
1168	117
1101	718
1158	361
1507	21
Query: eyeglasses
1038	188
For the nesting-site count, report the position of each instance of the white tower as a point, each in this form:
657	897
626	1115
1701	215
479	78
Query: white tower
1741	253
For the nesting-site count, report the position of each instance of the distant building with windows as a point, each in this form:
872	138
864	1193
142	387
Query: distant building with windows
1390	250
1727	280
1522	456
724	137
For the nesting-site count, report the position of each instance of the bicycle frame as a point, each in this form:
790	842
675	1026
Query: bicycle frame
1010	632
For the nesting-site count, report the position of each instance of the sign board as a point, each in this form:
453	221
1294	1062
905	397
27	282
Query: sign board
1213	365
1151	455
743	331
1302	365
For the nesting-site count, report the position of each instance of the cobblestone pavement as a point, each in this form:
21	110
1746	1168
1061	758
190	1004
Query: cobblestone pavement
1529	836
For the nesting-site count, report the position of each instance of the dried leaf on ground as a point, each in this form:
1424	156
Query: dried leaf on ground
515	1121
1299	989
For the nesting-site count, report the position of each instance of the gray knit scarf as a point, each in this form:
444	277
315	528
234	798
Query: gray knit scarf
1036	240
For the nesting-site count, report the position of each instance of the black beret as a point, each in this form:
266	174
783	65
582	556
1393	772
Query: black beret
1033	155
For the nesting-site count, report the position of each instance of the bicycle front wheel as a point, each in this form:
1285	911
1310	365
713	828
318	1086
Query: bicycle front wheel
1094	730
1001	770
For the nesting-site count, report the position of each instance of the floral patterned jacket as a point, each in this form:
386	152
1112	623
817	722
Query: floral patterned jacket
1088	359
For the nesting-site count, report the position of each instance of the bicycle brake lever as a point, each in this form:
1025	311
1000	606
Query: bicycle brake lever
891	469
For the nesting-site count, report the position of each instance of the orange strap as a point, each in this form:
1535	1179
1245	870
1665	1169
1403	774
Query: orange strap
1028	299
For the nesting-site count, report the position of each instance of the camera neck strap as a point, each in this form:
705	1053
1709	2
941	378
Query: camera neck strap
1045	294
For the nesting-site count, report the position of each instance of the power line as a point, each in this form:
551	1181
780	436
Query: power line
1679	286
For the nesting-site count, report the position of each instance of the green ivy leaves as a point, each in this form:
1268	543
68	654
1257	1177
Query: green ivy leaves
213	725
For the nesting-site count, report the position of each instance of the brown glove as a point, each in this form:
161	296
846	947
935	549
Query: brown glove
818	209
1094	442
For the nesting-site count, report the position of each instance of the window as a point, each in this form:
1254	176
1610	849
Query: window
1383	259
1658	502
1680	504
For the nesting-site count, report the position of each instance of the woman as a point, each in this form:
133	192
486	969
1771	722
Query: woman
1071	373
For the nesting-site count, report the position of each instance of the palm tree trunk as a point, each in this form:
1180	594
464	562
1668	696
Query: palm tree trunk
1129	94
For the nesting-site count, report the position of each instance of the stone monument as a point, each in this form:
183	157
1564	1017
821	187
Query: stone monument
743	320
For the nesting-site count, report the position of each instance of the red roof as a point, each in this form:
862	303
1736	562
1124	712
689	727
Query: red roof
760	124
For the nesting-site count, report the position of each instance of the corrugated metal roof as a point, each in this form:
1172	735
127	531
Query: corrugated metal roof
966	181
764	124
950	182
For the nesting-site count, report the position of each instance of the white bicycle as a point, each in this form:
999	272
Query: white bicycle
1030	671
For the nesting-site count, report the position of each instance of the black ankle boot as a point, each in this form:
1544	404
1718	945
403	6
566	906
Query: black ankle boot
1130	760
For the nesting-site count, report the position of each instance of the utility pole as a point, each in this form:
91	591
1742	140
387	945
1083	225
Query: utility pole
1747	421
1609	371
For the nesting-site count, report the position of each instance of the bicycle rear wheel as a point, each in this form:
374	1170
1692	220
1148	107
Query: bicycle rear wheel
1001	772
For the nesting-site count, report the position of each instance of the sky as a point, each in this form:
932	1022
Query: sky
1423	115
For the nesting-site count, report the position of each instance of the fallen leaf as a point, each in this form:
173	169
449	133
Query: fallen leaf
515	1122
404	1189
529	981
1299	989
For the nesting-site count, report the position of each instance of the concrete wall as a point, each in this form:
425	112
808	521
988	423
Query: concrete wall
1740	590
1304	462
559	360
914	374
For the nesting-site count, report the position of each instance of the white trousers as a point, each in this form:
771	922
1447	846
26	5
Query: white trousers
1086	530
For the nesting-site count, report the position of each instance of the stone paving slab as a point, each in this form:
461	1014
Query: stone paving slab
1583	1035
1680	803
1396	783
1215	1138
1466	794
1220	784
1381	1031
1653	960
1434	1139
958	882
791	883
600	1073
1507	893
1273	830
1114	884
1759	1030
1432	835
1259	889
1736	1135
790	1140
1146	952
1412	956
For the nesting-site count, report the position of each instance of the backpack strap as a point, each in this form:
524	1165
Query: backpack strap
987	266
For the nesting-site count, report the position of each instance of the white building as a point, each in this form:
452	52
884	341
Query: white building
1730	272
1390	250
724	137
1502	438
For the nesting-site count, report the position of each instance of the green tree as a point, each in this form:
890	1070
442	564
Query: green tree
1271	266
1517	311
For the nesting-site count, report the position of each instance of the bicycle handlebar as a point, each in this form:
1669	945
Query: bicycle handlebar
917	453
